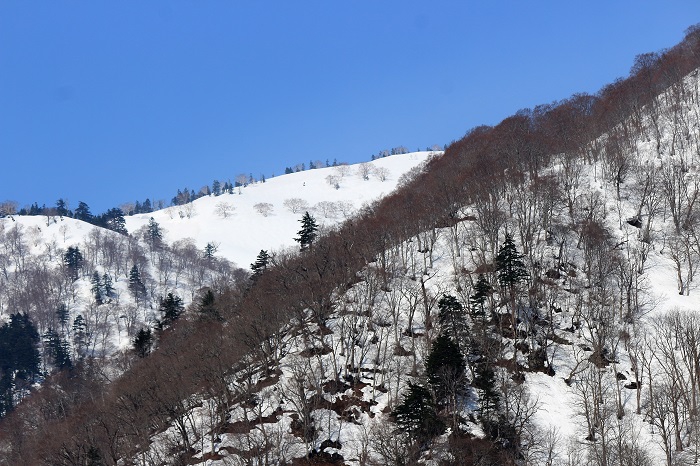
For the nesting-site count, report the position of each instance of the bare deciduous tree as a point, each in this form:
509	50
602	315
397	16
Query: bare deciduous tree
224	209
295	205
264	208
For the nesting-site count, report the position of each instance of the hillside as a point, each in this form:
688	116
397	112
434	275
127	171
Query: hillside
241	233
529	297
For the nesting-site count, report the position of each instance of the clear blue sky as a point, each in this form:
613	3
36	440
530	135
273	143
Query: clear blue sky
109	102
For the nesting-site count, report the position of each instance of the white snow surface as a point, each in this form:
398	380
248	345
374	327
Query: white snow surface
242	235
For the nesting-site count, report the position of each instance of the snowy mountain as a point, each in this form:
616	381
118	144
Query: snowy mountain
527	297
240	230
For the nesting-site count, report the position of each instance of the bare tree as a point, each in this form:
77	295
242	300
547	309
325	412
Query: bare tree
296	205
224	209
381	172
8	208
364	170
327	208
264	208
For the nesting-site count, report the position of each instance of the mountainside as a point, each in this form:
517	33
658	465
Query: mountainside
240	229
529	297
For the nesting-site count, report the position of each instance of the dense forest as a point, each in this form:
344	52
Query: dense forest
413	330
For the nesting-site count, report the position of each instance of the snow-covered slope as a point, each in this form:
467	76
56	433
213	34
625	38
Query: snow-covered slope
331	195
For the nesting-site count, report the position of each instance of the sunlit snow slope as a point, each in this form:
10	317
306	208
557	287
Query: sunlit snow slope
245	231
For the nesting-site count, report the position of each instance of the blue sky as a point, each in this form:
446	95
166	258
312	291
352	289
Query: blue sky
112	102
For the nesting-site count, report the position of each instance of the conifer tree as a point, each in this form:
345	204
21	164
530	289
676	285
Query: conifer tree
19	359
96	287
209	251
452	318
62	208
62	314
107	286
154	234
445	367
143	342
308	232
207	306
136	286
260	265
73	260
482	289
170	308
510	267
80	335
82	212
57	349
416	415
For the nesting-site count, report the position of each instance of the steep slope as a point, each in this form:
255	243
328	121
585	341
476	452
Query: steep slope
507	306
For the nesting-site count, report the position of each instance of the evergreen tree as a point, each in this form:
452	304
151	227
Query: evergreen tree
62	314
209	251
73	260
96	287
107	286
510	267
216	188
57	349
452	317
62	208
416	415
260	264
80	335
19	359
445	367
136	286
19	356
482	290
170	308
308	232
82	212
154	234
113	220
207	306
143	342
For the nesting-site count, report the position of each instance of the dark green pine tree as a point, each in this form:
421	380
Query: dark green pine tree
445	367
216	188
482	290
19	359
510	267
308	232
96	288
452	318
209	251
82	212
19	355
107	286
136	286
63	315
170	308
154	234
57	349
113	220
80	335
143	342
260	265
416	415
488	409
62	208
73	261
207	306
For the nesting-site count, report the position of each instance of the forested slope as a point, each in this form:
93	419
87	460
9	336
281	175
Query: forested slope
521	275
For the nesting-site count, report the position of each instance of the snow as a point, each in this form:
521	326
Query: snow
242	235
